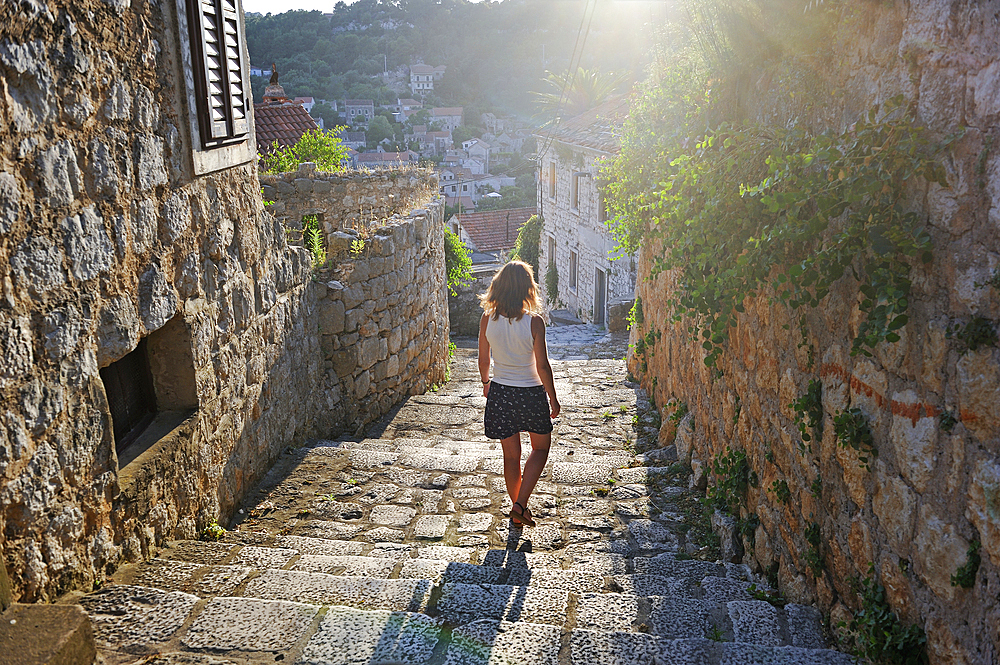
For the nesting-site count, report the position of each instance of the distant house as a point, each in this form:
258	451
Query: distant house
307	103
280	120
492	231
462	184
359	110
575	241
386	160
448	117
404	108
422	78
478	150
257	71
356	140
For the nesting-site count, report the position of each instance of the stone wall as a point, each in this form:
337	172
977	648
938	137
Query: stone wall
931	492
464	310
115	228
383	317
350	201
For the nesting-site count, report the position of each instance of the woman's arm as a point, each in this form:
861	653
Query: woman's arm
542	365
484	354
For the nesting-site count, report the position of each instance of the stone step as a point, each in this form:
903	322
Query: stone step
400	595
465	603
349	636
589	647
488	642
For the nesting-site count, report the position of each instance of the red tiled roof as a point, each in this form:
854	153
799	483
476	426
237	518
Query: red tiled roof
598	128
282	122
447	110
421	69
382	157
358	102
494	229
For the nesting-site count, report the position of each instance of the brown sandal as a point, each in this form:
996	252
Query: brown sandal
522	516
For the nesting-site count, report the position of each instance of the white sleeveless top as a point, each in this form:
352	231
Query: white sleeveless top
512	348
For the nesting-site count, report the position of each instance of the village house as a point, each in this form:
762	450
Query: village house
354	140
307	103
575	242
478	150
279	120
448	118
422	78
359	111
490	234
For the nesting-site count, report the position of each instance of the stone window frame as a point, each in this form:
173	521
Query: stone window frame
552	180
574	270
217	158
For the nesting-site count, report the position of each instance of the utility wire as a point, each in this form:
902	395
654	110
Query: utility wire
568	80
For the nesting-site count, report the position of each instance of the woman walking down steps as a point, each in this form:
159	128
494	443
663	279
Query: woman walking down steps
521	396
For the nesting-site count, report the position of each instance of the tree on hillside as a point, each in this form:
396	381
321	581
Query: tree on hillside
566	96
378	130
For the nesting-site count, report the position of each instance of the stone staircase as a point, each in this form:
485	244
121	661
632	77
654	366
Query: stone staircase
397	549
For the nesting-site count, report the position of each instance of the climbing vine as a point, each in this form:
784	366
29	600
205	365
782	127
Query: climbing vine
752	211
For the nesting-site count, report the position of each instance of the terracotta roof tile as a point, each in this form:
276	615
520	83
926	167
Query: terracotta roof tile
281	122
494	229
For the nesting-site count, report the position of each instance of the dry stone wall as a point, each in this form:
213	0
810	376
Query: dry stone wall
108	239
343	202
383	316
931	491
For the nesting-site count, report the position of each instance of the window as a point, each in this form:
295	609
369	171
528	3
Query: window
129	387
552	180
465	188
151	390
575	197
574	260
214	58
216	36
602	208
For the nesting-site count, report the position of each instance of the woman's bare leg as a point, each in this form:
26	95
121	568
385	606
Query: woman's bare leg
512	464
533	467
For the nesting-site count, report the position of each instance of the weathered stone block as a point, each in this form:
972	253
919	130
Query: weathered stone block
938	550
176	218
895	506
61	178
157	298
10	202
332	318
979	392
983	508
369	353
87	245
38	265
150	169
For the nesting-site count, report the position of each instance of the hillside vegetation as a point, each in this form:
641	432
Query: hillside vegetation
496	52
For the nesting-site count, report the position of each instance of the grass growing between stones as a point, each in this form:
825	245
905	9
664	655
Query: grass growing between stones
877	633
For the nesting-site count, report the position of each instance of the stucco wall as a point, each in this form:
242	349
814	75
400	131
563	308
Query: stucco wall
107	237
930	492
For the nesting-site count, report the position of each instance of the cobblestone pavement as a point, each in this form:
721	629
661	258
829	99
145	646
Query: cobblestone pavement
396	548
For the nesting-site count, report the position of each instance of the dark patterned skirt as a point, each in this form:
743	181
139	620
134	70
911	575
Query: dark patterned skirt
511	409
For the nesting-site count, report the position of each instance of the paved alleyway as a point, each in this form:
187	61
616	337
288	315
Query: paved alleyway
396	549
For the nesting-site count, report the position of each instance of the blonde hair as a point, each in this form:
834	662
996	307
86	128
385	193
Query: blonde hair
512	292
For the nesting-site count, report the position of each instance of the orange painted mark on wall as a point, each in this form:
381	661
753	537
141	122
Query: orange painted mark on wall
912	410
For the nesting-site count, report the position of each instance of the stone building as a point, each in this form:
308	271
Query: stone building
575	242
160	340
